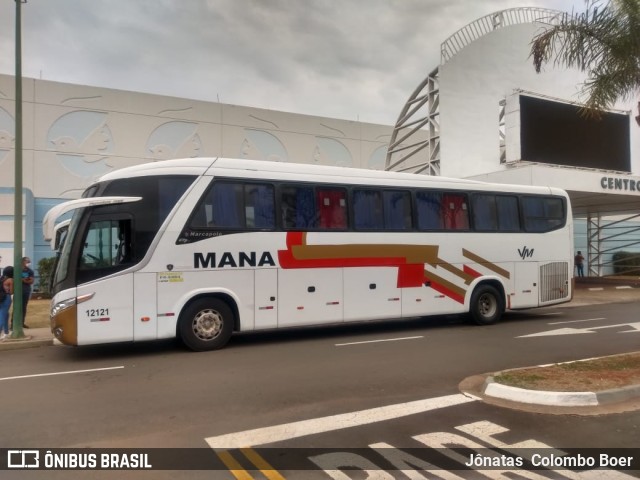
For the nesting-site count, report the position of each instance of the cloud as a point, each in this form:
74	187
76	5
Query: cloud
347	59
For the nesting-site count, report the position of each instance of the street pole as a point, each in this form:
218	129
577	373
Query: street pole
17	329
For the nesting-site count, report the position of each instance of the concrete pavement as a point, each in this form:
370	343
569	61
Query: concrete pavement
34	337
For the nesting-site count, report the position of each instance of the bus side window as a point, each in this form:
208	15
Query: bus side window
226	206
397	210
455	211
124	253
236	206
508	216
106	244
429	210
367	210
485	218
332	205
298	207
542	214
259	206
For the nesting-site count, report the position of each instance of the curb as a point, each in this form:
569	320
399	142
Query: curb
494	389
26	342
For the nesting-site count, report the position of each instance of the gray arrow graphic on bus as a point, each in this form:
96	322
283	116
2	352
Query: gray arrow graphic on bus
635	327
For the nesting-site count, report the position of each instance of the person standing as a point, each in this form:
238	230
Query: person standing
579	262
7	287
28	277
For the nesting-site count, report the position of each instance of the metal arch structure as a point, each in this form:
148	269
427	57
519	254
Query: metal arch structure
422	109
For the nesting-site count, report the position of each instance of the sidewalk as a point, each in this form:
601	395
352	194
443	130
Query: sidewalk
33	337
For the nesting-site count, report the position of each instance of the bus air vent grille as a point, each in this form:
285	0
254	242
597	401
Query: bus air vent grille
554	281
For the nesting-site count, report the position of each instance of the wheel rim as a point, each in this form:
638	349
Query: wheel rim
487	305
207	324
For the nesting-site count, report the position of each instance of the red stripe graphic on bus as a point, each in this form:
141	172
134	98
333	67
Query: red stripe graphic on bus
410	260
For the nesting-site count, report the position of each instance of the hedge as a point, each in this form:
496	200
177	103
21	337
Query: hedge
626	263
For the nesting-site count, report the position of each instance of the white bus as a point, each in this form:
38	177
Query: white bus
201	248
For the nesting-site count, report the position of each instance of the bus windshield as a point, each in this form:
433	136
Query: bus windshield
104	239
62	263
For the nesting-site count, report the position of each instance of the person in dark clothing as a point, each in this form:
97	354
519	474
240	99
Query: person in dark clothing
28	277
579	262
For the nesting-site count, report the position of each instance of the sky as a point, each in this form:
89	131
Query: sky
348	59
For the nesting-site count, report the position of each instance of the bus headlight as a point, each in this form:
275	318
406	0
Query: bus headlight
62	306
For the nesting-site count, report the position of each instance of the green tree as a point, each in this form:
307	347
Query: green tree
45	270
604	42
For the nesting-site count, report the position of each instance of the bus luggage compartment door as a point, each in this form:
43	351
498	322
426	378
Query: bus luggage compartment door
310	296
371	293
526	285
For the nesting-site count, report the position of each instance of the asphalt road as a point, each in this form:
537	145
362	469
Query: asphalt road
397	383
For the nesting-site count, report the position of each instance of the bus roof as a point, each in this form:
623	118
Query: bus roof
233	167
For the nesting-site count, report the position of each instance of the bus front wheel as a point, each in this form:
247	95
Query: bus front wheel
206	324
487	305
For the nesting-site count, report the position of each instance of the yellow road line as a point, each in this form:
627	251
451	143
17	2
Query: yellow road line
234	467
264	467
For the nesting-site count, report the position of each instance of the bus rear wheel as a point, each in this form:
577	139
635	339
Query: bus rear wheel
487	305
206	324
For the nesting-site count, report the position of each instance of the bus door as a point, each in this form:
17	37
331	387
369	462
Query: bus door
105	290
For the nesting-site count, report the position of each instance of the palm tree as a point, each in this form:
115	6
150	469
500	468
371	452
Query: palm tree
603	42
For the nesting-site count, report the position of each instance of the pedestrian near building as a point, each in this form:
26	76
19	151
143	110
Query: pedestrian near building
579	263
27	276
6	287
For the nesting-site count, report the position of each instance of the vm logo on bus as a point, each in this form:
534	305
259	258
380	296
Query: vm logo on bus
524	252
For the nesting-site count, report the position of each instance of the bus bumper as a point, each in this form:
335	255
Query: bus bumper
64	325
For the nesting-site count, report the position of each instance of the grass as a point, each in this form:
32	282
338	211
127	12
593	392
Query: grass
585	375
38	313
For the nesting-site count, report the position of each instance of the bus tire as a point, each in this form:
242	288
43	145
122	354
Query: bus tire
487	305
206	324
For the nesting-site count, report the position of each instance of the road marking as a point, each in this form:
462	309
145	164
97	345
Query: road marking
287	431
575	321
550	313
377	341
234	466
62	373
265	468
624	287
635	328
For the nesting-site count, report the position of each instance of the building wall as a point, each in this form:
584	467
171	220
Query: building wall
73	134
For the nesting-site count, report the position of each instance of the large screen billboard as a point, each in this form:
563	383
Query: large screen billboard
561	134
